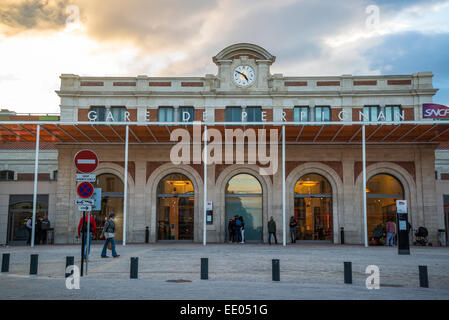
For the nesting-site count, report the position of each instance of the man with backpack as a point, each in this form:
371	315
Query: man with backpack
82	227
238	228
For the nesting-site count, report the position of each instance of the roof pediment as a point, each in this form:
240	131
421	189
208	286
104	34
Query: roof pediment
250	50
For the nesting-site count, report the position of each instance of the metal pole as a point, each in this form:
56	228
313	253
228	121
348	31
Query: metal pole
36	169
364	186
125	190
86	248
205	185
284	234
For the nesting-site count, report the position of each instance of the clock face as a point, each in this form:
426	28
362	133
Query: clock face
244	75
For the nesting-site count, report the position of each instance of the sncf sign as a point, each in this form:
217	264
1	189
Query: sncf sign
435	111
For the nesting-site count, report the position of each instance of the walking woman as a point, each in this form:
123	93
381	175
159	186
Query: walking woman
109	233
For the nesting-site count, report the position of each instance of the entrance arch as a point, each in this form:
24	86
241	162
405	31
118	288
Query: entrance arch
313	208
382	191
175	208
244	198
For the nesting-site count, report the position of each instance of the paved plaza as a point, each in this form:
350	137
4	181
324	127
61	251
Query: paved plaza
308	271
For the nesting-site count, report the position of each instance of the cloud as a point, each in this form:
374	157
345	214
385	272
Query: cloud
39	15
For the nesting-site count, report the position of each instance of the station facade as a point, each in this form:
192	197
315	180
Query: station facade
323	162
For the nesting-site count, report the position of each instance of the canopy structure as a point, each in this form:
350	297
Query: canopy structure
153	132
13	135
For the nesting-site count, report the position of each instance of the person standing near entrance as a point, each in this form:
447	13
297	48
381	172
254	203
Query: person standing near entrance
272	230
231	230
109	234
83	227
29	227
238	228
391	231
242	230
293	225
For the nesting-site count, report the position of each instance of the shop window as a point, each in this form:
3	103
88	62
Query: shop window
165	114
186	114
254	114
99	113
322	114
301	114
233	114
6	175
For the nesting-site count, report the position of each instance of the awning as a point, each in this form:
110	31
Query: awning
335	133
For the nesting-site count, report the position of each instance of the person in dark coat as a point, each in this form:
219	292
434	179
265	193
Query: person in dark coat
293	225
272	230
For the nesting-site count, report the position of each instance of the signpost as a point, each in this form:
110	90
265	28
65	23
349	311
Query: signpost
402	215
86	161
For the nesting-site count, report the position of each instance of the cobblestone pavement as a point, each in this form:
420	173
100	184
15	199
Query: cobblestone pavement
312	271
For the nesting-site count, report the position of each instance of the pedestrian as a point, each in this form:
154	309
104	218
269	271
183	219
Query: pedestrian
82	227
231	229
391	231
29	227
109	233
45	226
238	228
272	230
242	230
38	231
293	225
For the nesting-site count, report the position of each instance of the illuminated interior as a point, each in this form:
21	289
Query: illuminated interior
313	208
382	192
175	208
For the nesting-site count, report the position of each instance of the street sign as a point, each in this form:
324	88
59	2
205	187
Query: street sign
85	190
85	202
85	177
84	208
97	197
401	206
86	161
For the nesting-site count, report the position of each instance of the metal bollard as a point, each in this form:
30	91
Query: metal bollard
342	235
134	268
147	235
5	262
204	268
69	261
34	263
276	270
423	277
348	272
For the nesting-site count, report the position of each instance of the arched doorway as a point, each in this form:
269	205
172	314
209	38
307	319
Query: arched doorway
382	191
244	198
111	201
313	208
175	209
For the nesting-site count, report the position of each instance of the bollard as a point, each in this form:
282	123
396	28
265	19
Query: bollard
147	235
69	261
134	268
34	263
348	272
5	262
204	268
423	277
275	270
342	235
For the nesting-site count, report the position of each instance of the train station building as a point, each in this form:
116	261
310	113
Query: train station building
332	151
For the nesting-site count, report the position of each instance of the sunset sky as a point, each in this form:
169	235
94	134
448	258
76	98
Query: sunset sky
41	39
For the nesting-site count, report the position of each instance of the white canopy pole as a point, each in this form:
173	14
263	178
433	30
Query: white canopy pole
205	186
364	185
36	169
284	234
125	189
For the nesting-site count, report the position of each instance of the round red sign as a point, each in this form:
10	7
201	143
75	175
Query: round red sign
85	190
86	161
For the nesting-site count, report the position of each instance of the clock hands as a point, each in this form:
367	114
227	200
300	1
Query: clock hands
242	75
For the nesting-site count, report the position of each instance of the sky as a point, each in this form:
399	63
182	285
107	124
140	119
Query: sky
42	39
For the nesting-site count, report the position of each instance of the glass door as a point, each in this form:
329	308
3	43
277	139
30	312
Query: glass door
175	218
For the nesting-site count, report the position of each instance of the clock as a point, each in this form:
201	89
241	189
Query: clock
244	76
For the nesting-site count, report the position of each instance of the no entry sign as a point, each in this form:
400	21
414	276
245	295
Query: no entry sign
86	161
85	190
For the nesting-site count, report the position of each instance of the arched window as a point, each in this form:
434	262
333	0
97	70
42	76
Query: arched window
111	201
175	216
313	208
244	198
6	175
382	191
